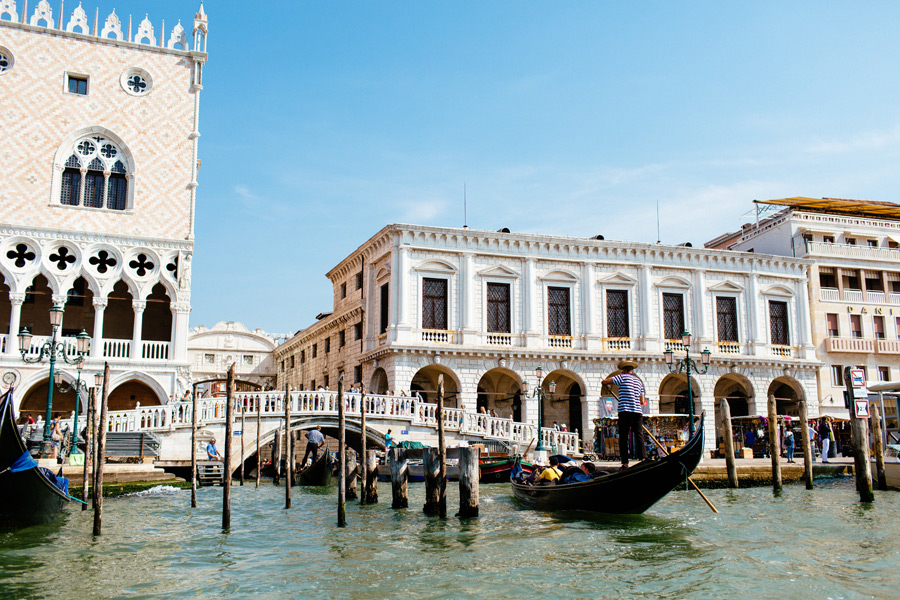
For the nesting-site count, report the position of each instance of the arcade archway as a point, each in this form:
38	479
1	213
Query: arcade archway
425	381
501	391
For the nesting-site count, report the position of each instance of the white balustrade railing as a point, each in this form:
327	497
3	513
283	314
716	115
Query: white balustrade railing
155	350
3	342
116	348
305	403
829	294
38	341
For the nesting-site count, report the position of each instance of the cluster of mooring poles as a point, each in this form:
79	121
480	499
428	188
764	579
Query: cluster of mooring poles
95	446
435	460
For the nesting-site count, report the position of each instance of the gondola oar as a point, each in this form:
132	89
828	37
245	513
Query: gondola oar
691	481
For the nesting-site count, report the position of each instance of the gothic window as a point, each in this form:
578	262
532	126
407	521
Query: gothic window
94	174
558	318
498	308
383	308
6	60
136	82
778	323
673	316
617	313
726	318
434	303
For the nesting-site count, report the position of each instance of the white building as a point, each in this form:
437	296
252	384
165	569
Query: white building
485	309
854	246
212	351
98	180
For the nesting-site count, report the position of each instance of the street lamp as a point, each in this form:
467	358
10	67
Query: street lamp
51	349
539	394
78	386
686	364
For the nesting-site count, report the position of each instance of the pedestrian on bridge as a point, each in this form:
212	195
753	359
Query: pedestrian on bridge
314	440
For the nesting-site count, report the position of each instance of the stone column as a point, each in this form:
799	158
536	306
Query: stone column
467	285
700	325
180	313
529	305
136	349
755	301
100	305
649	334
403	312
15	320
589	329
804	330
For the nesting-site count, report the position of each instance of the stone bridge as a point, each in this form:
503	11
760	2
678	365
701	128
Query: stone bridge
408	418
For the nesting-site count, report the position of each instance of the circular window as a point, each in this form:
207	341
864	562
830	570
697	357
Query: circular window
6	60
136	82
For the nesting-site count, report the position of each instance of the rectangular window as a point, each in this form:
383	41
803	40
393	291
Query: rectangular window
617	314
282	365
827	280
342	338
357	331
837	375
343	290
673	316
359	280
326	382
70	192
897	324
327	345
312	384
828	239
210	359
884	374
726	318
93	189
872	243
498	314
76	84
315	351
864	370
856	326
291	361
558	318
778	323
357	374
851	241
831	320
434	303
878	323
116	192
385	296
302	356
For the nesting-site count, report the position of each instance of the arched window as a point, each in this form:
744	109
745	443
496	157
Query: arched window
96	172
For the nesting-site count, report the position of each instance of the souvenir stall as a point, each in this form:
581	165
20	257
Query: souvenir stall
670	430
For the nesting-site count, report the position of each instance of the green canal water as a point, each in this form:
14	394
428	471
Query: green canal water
804	544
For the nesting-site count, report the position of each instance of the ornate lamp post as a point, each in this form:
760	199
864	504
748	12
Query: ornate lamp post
686	364
51	349
79	386
539	394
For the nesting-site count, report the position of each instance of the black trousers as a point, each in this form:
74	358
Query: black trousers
630	422
310	448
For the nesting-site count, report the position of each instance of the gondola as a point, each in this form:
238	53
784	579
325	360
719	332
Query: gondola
498	470
631	491
318	473
29	494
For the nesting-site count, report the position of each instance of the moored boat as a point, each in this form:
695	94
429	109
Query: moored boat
631	491
320	472
498	470
891	466
29	494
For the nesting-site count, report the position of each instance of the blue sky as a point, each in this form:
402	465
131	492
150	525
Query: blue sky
324	121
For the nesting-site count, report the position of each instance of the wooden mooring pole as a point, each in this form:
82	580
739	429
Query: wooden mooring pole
808	449
194	449
431	459
88	446
774	446
258	428
442	450
372	474
276	456
243	436
469	474
288	448
363	455
859	435
878	443
399	477
229	435
352	472
342	456
728	434
101	452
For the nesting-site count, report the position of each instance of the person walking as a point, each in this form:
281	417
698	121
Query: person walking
631	397
789	443
825	435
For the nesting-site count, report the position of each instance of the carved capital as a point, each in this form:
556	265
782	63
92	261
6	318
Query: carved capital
16	298
139	305
100	303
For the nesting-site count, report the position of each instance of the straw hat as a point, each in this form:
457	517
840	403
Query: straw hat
626	363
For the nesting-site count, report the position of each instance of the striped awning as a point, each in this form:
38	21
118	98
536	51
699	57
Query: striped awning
874	209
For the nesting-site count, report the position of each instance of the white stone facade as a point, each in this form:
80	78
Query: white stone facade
98	180
212	351
854	286
562	319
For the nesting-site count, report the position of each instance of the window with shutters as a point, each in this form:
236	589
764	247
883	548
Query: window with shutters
498	316
726	318
673	316
385	296
778	323
434	303
831	322
558	318
617	313
855	326
878	323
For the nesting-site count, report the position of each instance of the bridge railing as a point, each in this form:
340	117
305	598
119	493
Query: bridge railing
404	408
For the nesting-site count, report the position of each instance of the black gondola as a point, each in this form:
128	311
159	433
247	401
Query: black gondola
631	491
28	495
318	473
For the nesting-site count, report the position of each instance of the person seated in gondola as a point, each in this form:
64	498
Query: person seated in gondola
585	472
551	473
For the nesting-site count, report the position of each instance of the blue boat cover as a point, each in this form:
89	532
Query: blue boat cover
23	463
61	482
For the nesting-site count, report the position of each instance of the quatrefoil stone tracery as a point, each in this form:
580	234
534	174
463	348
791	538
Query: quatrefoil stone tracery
63	258
103	261
142	265
21	255
172	267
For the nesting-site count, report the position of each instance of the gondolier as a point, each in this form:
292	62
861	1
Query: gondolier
314	439
631	396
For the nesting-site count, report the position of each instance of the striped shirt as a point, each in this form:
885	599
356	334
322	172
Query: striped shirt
631	388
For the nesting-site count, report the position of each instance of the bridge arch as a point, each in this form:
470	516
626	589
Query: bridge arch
424	382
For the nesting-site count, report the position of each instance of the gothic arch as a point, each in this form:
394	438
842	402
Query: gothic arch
105	153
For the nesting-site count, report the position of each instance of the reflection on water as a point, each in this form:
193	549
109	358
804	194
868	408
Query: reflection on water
819	543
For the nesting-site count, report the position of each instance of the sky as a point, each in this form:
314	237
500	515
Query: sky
323	121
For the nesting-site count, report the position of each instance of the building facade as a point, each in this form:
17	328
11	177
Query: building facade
212	351
98	182
486	309
854	283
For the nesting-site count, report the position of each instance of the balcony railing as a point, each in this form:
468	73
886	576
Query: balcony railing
37	342
875	297
848	251
116	348
155	350
674	345
559	341
617	343
499	339
830	294
438	336
887	346
729	347
844	344
853	295
782	351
